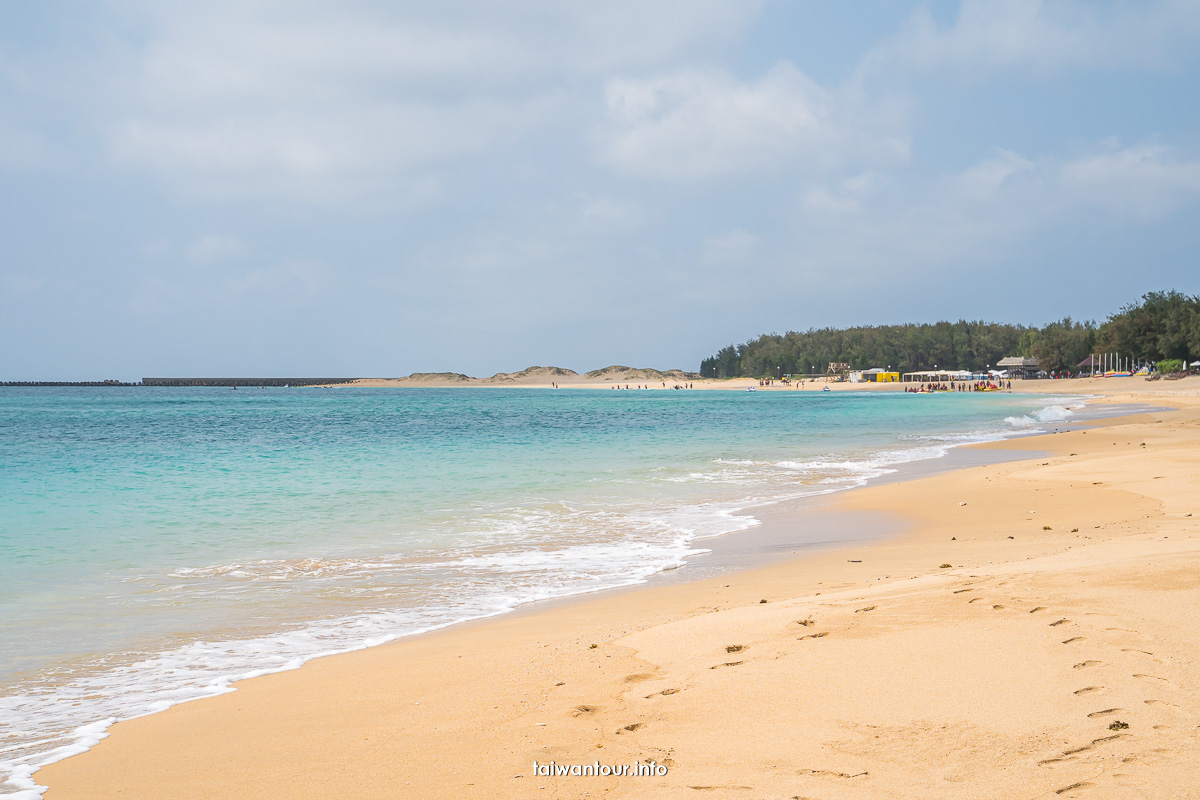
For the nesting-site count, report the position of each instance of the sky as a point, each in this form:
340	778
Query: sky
368	188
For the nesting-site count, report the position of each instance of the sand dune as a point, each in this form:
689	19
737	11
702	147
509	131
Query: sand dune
617	372
536	376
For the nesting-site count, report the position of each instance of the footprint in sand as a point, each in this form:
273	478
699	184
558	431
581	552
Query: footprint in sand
664	693
997	608
1150	677
630	728
735	648
1091	745
814	636
864	610
1086	689
828	773
1059	622
1074	639
1141	652
1104	713
638	677
1159	703
1074	786
1086	664
584	711
1035	610
728	664
974	600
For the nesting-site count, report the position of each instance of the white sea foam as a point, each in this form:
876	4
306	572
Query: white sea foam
1039	418
53	721
1053	414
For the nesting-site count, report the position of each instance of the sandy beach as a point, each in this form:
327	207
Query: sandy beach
618	377
1029	632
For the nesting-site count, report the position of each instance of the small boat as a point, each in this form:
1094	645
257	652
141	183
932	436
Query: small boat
751	388
826	389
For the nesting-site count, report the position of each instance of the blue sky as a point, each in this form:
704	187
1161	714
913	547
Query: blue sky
366	188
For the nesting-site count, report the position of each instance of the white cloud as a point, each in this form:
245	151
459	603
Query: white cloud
290	283
20	284
607	213
1146	181
213	248
705	123
733	247
302	100
294	283
156	248
243	54
152	295
982	213
847	195
287	153
21	149
1042	36
619	34
983	180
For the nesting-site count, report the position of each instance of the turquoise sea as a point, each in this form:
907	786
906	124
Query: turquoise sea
157	543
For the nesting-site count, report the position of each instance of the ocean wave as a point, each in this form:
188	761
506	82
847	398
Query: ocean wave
1048	414
46	722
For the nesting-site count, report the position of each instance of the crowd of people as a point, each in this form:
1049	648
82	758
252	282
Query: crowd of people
647	386
961	386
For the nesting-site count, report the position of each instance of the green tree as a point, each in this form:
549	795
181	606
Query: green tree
1162	325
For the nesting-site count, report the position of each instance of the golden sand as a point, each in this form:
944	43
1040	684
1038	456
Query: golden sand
1032	633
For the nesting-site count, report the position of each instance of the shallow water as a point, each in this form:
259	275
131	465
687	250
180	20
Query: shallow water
156	544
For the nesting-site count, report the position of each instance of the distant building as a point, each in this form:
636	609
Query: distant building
875	375
837	371
1020	366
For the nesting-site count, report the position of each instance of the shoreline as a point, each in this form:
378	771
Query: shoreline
535	611
764	543
732	551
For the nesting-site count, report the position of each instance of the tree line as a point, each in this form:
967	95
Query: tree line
1160	326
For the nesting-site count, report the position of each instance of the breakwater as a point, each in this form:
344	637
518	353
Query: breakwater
190	382
242	381
66	383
